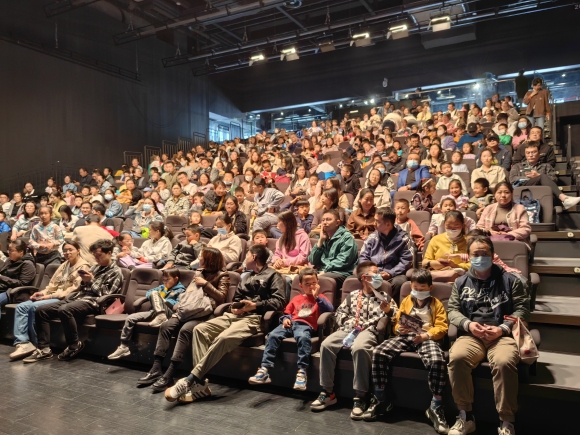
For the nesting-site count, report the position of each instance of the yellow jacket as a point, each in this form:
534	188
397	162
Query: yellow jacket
439	319
440	245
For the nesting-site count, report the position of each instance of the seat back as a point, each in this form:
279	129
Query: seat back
244	251
441	291
128	225
208	221
39	277
49	272
405	194
422	219
176	223
471	214
235	279
350	200
352	283
138	241
327	288
470	163
334	154
515	254
282	187
359	244
271	244
344	145
118	224
186	276
438	194
140	281
546	197
175	241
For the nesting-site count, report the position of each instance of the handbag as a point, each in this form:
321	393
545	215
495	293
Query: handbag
524	341
531	205
192	304
116	307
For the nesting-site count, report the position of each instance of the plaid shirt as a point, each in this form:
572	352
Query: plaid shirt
107	280
370	313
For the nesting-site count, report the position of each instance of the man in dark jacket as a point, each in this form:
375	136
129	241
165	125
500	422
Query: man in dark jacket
350	183
262	290
501	155
18	270
546	150
396	163
479	302
390	249
186	251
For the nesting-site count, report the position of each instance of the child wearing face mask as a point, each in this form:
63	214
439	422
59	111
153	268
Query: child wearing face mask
504	138
437	224
430	325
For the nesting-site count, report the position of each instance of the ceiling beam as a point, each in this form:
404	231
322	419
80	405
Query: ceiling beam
366	5
223	29
290	17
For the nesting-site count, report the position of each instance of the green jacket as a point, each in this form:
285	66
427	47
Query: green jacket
338	254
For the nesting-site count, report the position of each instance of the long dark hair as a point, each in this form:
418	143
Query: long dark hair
213	260
332	194
25	214
288	239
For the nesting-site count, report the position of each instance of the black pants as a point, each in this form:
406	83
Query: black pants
184	337
396	283
544	180
337	277
69	314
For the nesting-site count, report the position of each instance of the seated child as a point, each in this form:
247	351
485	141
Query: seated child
408	225
482	196
301	322
125	253
468	151
4	227
362	158
259	237
198	204
423	199
504	138
456	160
161	299
447	176
461	201
186	251
420	336
195	219
437	224
244	205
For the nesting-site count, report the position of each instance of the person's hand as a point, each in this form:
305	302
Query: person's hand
532	174
279	263
492	332
477	330
87	277
386	276
287	323
402	189
385	307
254	214
316	291
364	236
323	235
248	305
237	311
13	237
200	281
36	296
548	116
404	331
421	338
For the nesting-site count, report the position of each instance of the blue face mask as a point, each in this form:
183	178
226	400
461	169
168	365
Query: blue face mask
400	153
420	295
147	207
412	164
381	170
522	125
377	281
222	231
481	264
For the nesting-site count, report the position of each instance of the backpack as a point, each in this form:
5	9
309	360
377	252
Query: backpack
531	205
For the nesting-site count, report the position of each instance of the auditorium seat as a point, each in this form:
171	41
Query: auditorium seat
117	224
176	223
41	280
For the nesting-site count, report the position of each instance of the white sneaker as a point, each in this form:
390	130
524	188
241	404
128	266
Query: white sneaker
121	352
462	426
261	377
158	321
506	429
22	351
180	388
300	383
196	391
570	202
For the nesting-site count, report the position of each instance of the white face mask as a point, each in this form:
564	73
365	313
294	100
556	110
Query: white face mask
453	234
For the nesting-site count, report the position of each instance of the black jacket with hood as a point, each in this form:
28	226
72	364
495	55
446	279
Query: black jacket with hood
17	273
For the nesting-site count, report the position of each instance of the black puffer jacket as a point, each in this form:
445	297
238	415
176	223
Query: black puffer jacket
17	273
266	288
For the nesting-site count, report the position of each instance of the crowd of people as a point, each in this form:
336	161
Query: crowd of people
331	201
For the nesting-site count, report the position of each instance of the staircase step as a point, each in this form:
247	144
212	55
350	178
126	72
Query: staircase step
557	310
568	221
559	285
558	338
556	266
561	166
561	159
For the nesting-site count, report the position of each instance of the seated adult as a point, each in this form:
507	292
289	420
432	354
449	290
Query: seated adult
143	214
434	159
386	179
348	159
531	172
260	291
67	219
381	194
268	201
56	202
361	221
104	278
493	173
396	163
546	150
473	136
226	240
100	210
389	248
65	280
86	210
178	204
18	270
215	200
89	234
410	177
131	195
114	207
505	217
152	252
25	221
501	155
441	255
479	303
46	238
336	253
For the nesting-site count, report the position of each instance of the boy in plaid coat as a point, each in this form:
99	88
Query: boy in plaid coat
420	337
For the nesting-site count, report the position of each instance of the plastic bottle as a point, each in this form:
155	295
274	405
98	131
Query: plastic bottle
351	337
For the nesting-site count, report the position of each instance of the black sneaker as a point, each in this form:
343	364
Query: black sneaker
162	384
437	417
38	355
70	353
359	406
376	409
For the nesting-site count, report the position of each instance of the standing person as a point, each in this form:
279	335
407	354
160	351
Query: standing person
104	278
336	253
89	234
260	291
538	107
484	331
65	280
46	238
357	317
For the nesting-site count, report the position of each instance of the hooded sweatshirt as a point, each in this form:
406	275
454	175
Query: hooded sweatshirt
297	256
339	254
229	244
17	273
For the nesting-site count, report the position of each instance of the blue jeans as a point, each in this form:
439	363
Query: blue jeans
275	232
24	331
3	301
302	334
537	121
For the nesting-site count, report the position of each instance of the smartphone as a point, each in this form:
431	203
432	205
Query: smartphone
83	272
238	305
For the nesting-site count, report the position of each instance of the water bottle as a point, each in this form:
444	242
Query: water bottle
351	337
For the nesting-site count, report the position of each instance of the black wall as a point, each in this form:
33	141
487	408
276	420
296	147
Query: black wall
53	110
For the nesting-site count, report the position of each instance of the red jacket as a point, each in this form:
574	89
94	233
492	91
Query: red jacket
304	308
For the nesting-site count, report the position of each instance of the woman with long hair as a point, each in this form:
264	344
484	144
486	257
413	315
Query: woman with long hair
25	222
382	193
361	222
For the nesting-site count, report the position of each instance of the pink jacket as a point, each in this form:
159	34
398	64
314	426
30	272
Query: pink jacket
517	219
297	256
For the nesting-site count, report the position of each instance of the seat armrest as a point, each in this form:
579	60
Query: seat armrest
383	328
221	309
20	294
452	334
534	284
105	301
326	325
409	273
138	303
536	336
233	266
533	242
269	318
534	279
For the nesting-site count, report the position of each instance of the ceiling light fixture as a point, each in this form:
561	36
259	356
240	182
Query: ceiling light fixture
290	53
398	31
361	39
325	44
442	22
256	57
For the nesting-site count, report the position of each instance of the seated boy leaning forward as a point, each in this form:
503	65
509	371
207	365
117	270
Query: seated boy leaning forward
419	323
357	317
261	290
300	321
162	298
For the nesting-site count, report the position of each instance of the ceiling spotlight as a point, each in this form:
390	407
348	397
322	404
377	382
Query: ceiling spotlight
352	101
372	101
476	86
325	44
398	31
281	113
256	57
438	92
309	110
340	106
564	75
361	39
442	22
385	82
366	102
290	53
258	115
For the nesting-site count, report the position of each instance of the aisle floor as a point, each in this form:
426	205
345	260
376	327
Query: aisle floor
93	397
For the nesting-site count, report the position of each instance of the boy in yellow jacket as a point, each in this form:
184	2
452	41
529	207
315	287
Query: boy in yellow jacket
419	323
